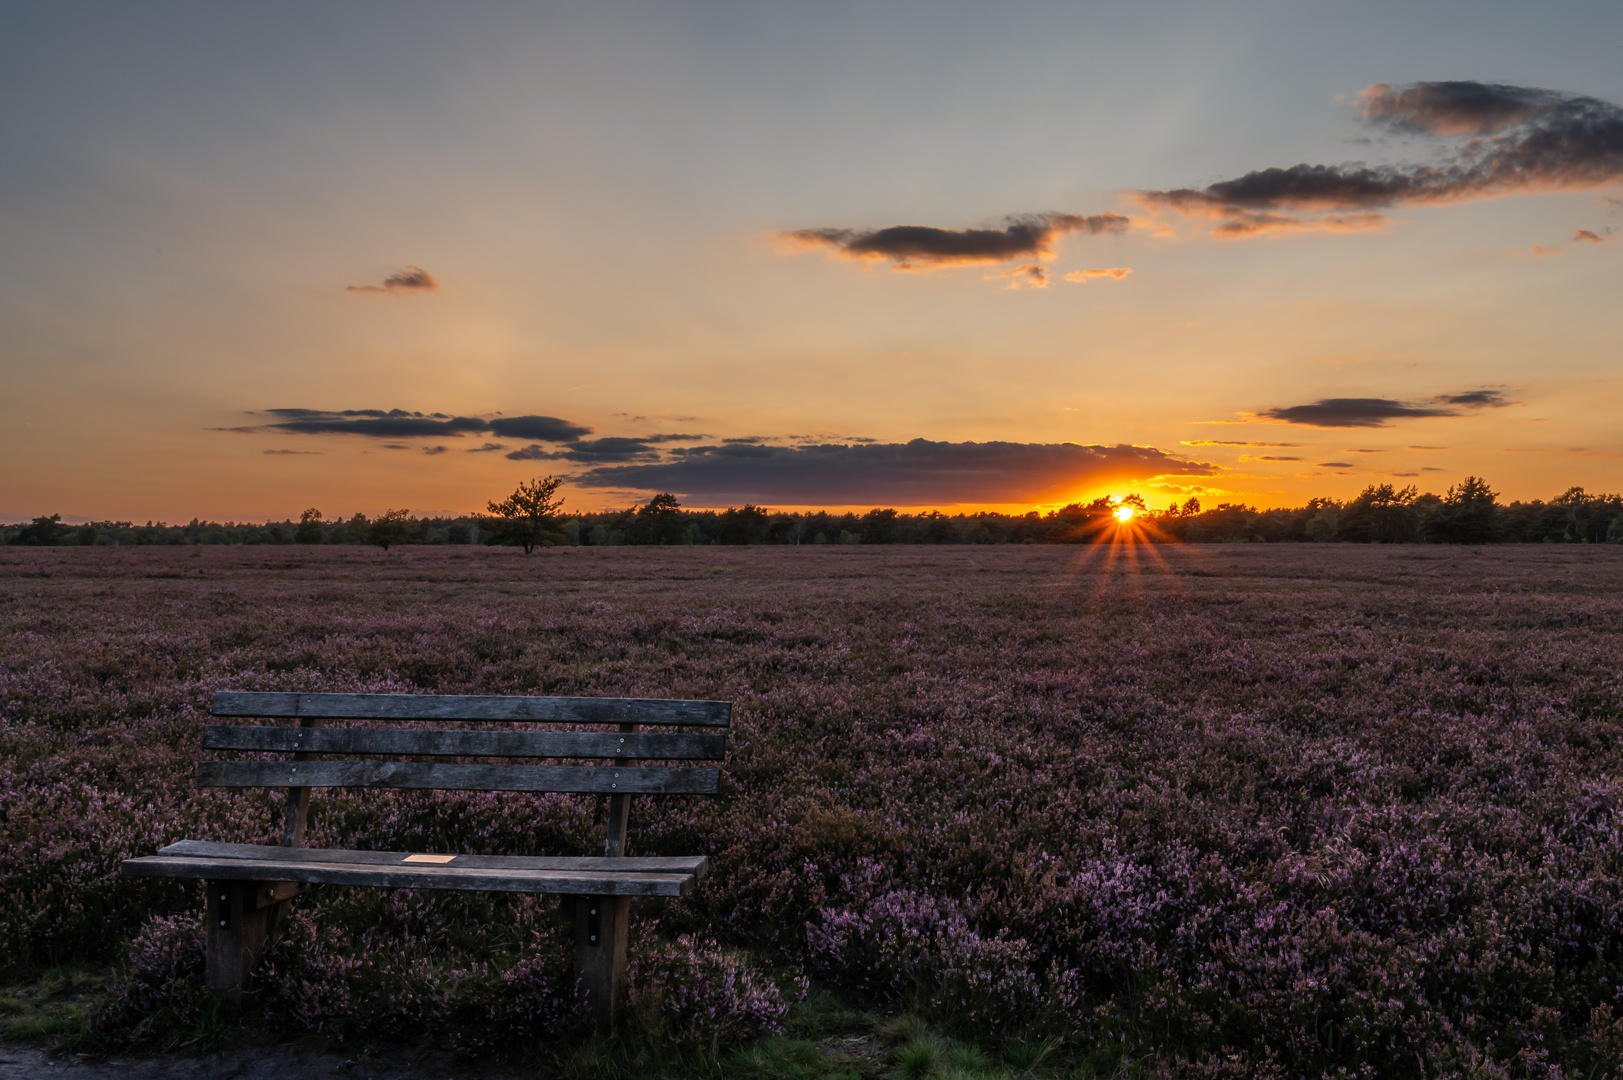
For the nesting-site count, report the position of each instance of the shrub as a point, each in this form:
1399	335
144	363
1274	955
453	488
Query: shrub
706	996
159	995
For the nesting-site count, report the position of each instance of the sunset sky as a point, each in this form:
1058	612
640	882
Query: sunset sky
261	258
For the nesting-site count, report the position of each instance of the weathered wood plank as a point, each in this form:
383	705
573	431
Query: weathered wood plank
414	876
665	746
696	865
594	779
570	710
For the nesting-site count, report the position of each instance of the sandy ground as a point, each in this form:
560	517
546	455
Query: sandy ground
254	1063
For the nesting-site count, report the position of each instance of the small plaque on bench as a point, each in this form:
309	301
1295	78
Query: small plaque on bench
430	858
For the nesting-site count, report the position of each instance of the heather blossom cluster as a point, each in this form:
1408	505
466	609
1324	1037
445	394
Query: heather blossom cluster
1217	810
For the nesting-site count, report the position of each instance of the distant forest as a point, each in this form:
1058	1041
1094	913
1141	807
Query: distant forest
1468	513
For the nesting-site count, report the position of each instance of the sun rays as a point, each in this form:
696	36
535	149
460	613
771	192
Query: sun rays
1119	539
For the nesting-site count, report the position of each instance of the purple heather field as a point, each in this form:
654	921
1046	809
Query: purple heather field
1217	810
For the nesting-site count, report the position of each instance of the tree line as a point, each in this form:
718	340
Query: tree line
1468	513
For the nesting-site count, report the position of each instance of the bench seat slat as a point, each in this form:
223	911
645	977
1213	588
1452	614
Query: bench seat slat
472	707
695	865
414	876
595	779
665	745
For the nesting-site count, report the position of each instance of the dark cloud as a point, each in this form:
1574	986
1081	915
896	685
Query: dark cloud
917	473
538	428
1336	465
399	423
1377	412
672	437
1590	236
1514	139
534	452
1351	412
378	423
913	247
488	448
1459	108
610	450
432	450
1475	399
413	279
282	452
1271	457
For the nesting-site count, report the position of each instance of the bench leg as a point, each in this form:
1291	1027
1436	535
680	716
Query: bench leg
237	930
600	954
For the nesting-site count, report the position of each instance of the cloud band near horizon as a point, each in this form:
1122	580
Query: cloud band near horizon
916	473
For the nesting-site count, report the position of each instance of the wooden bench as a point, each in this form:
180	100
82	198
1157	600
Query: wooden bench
250	886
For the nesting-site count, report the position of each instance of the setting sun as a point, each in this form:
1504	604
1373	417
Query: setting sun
1124	513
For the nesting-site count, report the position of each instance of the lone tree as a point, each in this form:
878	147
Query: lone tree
309	530
661	521
389	527
43	531
529	516
1469	513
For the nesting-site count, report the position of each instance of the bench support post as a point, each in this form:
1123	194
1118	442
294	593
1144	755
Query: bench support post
296	811
601	923
237	930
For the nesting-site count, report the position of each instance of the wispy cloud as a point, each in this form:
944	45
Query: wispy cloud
1114	273
1590	236
1024	276
413	279
1238	442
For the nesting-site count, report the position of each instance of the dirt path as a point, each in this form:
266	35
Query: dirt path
254	1063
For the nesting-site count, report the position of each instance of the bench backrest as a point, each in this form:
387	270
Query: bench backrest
625	747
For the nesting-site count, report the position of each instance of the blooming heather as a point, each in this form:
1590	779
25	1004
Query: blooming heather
1219	808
